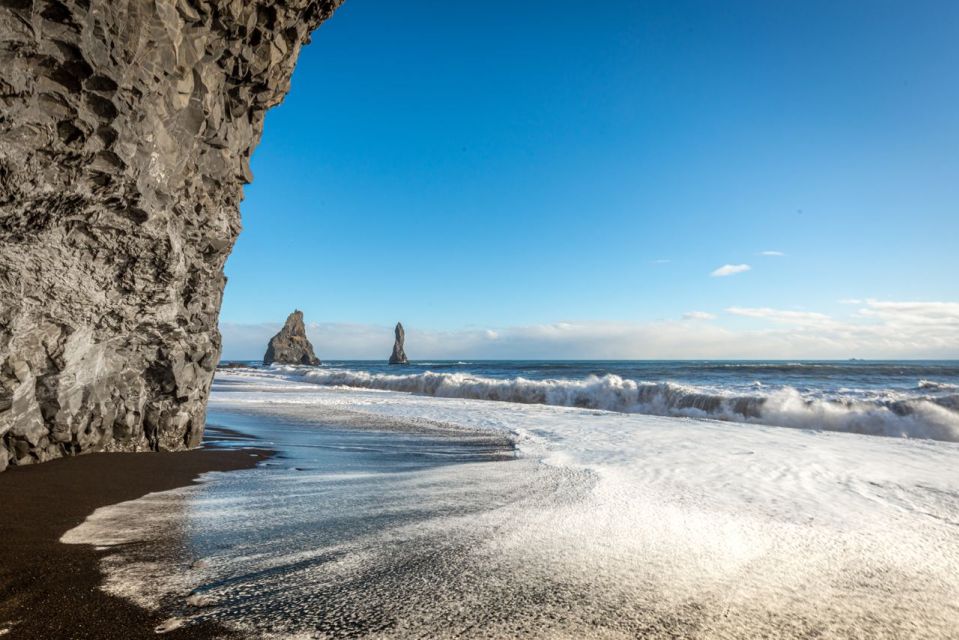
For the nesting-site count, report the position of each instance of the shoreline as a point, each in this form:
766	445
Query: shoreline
52	590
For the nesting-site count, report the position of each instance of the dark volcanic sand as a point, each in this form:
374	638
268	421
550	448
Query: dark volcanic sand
50	590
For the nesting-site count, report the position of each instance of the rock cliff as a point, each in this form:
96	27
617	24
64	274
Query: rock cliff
290	345
399	355
126	129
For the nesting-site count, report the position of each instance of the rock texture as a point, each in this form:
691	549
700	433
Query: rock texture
290	345
399	355
126	128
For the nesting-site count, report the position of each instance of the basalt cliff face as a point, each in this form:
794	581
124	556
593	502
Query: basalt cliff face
126	128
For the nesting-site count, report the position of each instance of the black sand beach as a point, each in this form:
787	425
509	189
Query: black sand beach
50	590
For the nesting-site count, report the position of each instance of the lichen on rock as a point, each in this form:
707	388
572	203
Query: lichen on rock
126	129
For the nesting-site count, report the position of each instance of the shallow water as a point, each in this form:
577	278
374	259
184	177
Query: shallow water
397	515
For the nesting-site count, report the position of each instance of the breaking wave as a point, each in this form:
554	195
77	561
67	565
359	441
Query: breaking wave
930	416
931	385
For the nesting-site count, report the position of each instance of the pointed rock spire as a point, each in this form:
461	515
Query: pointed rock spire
290	345
399	356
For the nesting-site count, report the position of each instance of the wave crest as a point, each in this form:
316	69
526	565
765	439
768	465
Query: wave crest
932	385
935	418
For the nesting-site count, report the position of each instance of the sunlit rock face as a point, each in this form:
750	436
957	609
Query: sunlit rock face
126	129
399	354
290	345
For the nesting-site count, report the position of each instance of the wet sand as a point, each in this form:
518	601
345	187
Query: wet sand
50	590
391	516
343	534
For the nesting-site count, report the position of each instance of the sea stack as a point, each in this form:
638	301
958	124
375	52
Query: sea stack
399	356
290	345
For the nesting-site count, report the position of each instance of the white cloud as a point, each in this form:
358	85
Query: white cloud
913	314
774	254
730	270
248	341
880	329
698	315
780	315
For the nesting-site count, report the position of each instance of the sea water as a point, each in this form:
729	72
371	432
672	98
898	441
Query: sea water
563	500
904	398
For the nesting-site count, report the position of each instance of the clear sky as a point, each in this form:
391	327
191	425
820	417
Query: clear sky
515	171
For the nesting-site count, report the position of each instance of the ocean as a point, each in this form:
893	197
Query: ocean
893	398
562	500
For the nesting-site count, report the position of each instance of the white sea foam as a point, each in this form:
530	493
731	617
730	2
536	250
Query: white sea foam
931	385
931	417
634	526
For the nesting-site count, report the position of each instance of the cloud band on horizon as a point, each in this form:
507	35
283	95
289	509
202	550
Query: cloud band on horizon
879	330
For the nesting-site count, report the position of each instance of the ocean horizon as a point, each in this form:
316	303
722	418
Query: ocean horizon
910	398
628	219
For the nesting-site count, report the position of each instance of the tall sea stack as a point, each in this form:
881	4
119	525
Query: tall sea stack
399	355
290	345
126	129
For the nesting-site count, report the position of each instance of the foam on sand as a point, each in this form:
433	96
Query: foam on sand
609	525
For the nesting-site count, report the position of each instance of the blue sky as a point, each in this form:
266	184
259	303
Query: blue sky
559	164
